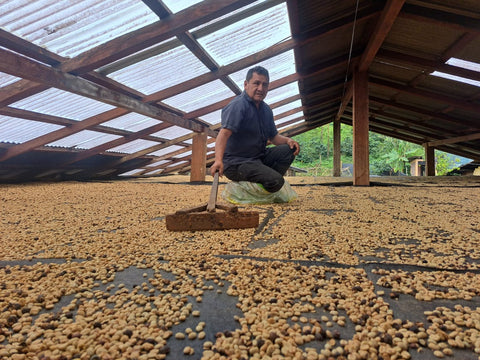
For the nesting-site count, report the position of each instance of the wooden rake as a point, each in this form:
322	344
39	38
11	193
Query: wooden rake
205	217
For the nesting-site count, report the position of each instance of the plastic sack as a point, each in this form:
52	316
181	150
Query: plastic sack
245	192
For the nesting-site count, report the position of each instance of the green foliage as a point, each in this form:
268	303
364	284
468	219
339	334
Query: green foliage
445	163
387	155
399	153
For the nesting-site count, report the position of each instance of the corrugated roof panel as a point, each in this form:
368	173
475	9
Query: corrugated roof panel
280	123
182	155
85	139
284	108
213	117
19	130
63	104
166	150
179	5
281	93
131	122
132	172
278	67
172	132
69	28
249	36
155	164
161	71
6	79
200	96
134	146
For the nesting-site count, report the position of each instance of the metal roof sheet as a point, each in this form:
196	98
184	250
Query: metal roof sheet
19	130
131	122
85	139
200	96
249	36
133	146
162	71
69	28
63	104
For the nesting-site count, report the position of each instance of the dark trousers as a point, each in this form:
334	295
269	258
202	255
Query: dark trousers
267	171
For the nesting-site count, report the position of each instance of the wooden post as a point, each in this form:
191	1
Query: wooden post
199	157
361	172
429	160
337	162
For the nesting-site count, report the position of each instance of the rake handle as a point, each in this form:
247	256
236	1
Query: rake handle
212	201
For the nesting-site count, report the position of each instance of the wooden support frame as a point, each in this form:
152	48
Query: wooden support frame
199	157
337	161
361	172
429	160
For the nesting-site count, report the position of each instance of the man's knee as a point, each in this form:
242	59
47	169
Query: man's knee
274	184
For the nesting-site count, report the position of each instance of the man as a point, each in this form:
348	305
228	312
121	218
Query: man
241	152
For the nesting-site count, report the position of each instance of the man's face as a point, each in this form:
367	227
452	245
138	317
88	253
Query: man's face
257	87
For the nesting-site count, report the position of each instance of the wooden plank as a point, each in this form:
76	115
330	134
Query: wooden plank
428	95
454	140
337	162
429	161
22	67
212	221
361	176
383	27
152	34
199	157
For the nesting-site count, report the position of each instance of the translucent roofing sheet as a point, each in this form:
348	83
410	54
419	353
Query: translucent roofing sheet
131	122
278	67
157	163
280	123
290	106
19	130
248	36
182	155
85	139
6	79
213	117
69	28
172	132
134	146
200	96
64	104
282	92
161	71
166	150
179	5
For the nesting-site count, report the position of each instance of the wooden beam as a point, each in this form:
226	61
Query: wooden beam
425	65
337	162
455	102
383	27
199	157
346	98
424	113
361	171
429	161
152	34
19	66
60	133
454	140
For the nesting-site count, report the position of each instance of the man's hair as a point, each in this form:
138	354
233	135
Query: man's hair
259	70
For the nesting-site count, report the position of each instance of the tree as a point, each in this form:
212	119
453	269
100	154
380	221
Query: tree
398	152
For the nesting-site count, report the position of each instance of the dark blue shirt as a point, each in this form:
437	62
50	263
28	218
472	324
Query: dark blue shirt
251	129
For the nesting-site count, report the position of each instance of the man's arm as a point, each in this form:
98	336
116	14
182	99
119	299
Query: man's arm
280	139
220	145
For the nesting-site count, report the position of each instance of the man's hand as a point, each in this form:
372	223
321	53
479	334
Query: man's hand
293	144
217	166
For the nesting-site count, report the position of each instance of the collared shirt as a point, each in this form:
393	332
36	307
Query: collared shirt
251	129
